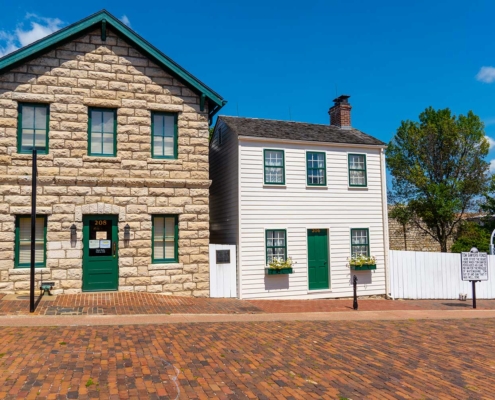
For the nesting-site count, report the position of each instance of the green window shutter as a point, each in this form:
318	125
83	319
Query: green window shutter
360	242
316	168
276	244
23	242
274	167
164	135
32	128
165	238
102	132
357	170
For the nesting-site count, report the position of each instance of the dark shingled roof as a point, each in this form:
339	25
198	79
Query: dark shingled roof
273	129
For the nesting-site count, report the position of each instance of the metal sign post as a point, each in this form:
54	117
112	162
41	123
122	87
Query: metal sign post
33	230
355	303
474	268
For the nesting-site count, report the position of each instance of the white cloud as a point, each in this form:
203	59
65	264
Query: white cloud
125	20
491	142
486	75
492	166
39	27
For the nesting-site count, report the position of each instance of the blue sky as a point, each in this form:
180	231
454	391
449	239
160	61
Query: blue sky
286	59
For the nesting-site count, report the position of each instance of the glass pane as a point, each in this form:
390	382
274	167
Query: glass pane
358	178
158	125
269	238
25	253
100	238
96	125
108	143
96	143
40	118
279	238
39	253
279	253
108	122
316	176
40	139
274	158
359	236
169	146
359	251
27	139
159	228
158	145
27	117
273	175
158	250
316	160
169	125
269	255
25	241
356	162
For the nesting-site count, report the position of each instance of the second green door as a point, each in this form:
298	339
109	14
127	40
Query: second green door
318	270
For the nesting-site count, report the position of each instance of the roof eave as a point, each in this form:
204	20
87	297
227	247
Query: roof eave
310	142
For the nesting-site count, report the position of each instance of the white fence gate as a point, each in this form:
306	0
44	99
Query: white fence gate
422	275
223	270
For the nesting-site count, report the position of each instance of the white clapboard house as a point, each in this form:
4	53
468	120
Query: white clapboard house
315	193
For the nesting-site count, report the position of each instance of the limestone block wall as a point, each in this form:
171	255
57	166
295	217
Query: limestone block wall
90	72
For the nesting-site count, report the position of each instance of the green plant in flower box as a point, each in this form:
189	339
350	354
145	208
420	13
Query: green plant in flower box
280	263
361	260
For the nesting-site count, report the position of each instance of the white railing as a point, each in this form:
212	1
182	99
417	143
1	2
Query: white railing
422	275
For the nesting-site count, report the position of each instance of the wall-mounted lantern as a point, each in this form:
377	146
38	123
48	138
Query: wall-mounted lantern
73	235
127	235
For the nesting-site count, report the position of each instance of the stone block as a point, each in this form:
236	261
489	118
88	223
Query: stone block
154	288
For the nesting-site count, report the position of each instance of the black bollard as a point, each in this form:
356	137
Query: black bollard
355	303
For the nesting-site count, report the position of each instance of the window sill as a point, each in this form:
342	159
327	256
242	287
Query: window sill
274	185
29	156
357	187
174	161
110	159
26	270
317	187
172	265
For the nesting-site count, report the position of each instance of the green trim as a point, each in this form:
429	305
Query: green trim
90	111
367	235
324	168
282	271
94	21
176	240
176	135
202	102
269	166
104	30
365	169
275	247
17	242
19	128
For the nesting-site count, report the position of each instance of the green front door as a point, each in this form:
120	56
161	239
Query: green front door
100	253
318	271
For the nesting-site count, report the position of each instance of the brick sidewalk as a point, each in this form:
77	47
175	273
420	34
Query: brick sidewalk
269	360
124	303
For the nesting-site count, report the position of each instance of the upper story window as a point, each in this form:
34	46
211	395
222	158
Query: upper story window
164	135
33	128
357	170
360	242
23	242
316	169
102	132
274	165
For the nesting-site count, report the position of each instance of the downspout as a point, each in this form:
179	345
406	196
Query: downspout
383	177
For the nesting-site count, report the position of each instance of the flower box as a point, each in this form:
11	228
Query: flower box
281	271
363	267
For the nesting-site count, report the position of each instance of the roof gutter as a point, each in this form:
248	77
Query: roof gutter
309	142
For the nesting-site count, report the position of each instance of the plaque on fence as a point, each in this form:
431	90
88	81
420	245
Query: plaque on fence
474	266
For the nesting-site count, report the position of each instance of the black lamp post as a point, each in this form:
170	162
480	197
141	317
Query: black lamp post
127	235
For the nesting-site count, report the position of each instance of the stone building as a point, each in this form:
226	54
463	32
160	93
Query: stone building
121	133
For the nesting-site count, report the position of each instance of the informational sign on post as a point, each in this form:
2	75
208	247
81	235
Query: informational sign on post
474	266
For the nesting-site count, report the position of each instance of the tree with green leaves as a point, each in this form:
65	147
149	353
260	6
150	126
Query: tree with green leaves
469	235
439	169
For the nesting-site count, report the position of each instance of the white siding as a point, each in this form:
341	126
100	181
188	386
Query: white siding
224	202
297	208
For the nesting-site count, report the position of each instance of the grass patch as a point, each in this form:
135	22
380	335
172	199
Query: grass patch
62	343
89	382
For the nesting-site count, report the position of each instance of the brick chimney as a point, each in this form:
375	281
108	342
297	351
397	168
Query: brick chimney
340	113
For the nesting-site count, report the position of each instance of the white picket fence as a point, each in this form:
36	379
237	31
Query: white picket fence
421	275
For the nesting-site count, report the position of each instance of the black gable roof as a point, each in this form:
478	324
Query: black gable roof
273	129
